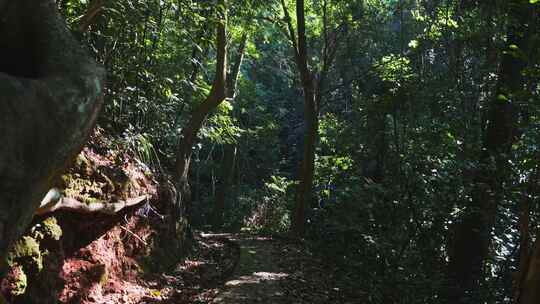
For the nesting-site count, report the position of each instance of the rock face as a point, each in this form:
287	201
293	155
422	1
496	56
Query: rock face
50	96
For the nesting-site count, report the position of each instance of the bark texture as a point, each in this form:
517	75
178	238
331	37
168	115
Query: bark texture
50	96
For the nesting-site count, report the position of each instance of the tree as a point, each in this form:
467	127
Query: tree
312	82
199	114
51	97
229	150
472	235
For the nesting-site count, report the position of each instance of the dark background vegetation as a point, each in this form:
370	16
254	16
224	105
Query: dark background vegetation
426	165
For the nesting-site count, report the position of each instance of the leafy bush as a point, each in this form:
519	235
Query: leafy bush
265	210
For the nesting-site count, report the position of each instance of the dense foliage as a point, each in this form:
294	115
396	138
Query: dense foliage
428	121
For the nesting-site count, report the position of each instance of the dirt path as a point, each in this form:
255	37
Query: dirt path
280	271
258	276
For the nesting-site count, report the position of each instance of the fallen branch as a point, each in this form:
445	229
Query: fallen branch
54	201
134	235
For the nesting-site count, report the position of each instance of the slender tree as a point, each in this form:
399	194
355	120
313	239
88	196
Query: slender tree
311	81
188	137
229	149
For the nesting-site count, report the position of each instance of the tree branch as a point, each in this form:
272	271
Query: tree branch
291	34
93	11
232	78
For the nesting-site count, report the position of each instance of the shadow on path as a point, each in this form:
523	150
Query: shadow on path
257	278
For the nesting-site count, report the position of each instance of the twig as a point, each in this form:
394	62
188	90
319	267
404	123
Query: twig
133	234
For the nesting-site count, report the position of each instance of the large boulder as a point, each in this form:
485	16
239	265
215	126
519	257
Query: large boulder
50	96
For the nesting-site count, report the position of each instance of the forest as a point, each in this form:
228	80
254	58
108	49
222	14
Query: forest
270	151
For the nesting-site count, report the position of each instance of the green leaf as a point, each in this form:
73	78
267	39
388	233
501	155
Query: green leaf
502	98
533	1
413	44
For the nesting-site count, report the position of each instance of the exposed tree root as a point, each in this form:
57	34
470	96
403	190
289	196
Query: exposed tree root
54	201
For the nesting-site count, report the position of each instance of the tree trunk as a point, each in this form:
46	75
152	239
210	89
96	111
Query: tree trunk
312	96
229	150
225	180
472	234
529	289
51	96
304	191
189	133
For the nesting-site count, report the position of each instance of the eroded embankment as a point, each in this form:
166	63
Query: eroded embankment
82	246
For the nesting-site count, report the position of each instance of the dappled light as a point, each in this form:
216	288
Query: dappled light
257	277
269	151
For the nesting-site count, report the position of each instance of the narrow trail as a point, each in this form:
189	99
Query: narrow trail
278	272
257	276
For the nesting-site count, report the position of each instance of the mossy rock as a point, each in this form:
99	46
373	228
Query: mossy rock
51	228
83	189
48	229
26	250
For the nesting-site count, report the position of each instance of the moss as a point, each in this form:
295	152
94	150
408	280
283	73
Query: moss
51	229
104	276
90	200
26	249
82	188
82	161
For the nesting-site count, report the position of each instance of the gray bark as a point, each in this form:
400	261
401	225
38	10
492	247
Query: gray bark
50	96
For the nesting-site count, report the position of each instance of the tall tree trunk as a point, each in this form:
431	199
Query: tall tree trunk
189	133
472	234
312	97
51	96
304	190
229	150
528	274
529	292
527	285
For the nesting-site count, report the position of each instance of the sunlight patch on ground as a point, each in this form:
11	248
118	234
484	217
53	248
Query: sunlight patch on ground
271	275
257	277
